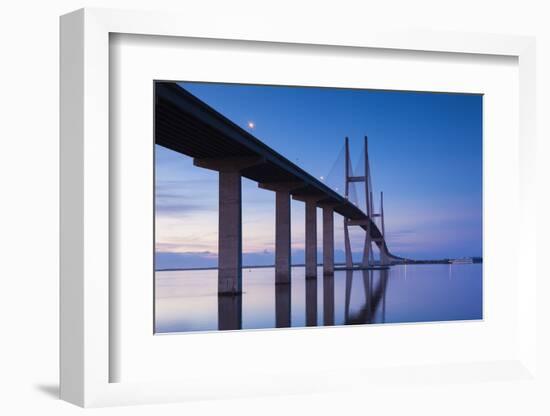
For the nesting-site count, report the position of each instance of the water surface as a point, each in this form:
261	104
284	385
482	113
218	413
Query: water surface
188	301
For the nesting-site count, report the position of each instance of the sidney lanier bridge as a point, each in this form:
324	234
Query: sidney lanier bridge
185	124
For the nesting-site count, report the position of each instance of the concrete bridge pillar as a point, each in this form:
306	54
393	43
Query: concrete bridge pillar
229	220
347	242
282	227
328	239
311	238
311	201
367	249
383	254
230	234
282	237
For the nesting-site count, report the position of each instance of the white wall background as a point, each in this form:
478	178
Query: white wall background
29	206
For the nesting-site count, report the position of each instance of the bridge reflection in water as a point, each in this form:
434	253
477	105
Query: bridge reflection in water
230	306
188	300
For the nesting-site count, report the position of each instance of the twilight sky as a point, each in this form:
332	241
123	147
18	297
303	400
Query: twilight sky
425	152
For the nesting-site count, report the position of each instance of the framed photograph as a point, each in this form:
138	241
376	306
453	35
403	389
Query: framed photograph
277	212
230	256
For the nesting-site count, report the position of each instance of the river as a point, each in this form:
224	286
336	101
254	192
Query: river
187	300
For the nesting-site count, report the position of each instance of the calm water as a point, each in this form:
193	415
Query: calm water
188	301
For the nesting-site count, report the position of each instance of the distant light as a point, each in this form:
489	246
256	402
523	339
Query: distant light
322	178
251	125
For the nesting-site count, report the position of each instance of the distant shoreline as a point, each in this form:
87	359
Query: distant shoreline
477	260
216	267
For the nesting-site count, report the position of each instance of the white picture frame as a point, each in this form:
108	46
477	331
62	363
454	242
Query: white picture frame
85	218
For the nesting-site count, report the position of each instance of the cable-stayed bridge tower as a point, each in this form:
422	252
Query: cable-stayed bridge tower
366	224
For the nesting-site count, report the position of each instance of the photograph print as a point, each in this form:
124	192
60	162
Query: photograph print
290	206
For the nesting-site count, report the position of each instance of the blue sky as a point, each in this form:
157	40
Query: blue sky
425	151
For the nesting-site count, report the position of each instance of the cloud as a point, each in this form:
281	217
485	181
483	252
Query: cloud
182	183
185	188
204	259
177	247
172	196
181	208
208	259
168	260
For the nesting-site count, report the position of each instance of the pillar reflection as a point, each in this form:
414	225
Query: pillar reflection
368	283
384	284
328	299
282	305
230	312
311	302
349	282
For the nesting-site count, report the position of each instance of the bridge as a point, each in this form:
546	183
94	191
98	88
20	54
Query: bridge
375	299
187	125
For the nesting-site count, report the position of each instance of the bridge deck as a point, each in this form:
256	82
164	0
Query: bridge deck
189	126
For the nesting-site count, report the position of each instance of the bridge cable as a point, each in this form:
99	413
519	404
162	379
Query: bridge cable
336	175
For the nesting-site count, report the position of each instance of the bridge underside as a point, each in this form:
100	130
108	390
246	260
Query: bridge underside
185	124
